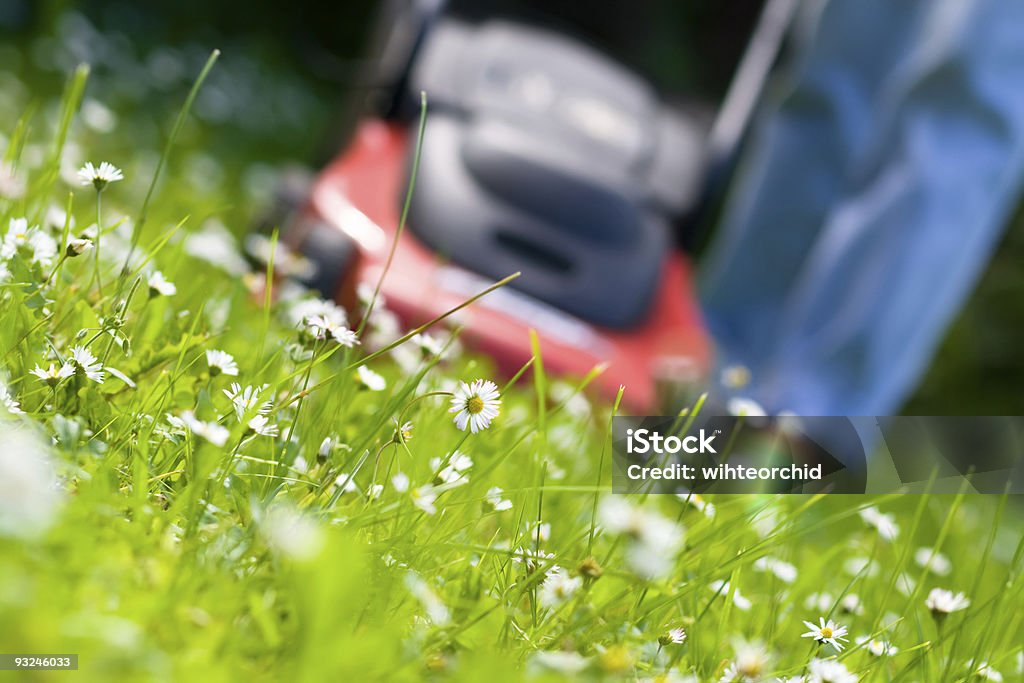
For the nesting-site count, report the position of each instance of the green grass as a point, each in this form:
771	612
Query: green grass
157	554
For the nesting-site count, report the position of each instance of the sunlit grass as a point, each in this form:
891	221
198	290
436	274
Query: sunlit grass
354	533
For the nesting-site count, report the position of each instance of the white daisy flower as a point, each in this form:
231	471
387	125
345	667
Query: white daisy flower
435	609
826	632
403	432
654	540
78	246
346	482
364	293
292	533
375	491
454	471
534	559
384	327
345	337
44	247
54	374
792	679
424	498
495	500
177	426
575	402
829	671
303	309
557	588
820	602
32	243
215	245
936	562
370	379
698	502
98	116
541	532
11	184
9	402
732	675
569	663
675	636
211	431
261	425
878	648
221	363
884	524
749	664
56	218
159	285
862	566
783	571
30	492
401	482
745	407
738	599
99	176
247	400
851	604
735	376
321	327
906	584
460	461
16	237
86	363
942	602
475	405
428	345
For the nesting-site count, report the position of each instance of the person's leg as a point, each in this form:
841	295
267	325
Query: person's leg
872	199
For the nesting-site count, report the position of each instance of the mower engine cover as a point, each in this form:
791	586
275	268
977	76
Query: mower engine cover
543	156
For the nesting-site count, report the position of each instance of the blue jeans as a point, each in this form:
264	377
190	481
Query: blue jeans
872	192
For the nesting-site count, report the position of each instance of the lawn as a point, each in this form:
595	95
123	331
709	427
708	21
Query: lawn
206	478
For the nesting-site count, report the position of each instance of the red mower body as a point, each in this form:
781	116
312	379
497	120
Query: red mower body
360	194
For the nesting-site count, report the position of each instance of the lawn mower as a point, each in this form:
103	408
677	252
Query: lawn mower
542	156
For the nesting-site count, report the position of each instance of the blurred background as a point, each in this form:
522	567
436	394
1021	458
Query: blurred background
292	75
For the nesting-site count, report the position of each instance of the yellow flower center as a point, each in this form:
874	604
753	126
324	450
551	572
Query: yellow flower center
21	236
752	669
826	632
475	405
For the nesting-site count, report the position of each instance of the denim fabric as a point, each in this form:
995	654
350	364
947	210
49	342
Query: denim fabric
872	192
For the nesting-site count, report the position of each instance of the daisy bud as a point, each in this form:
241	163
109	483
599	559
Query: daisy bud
325	450
160	286
77	247
676	636
403	432
590	570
